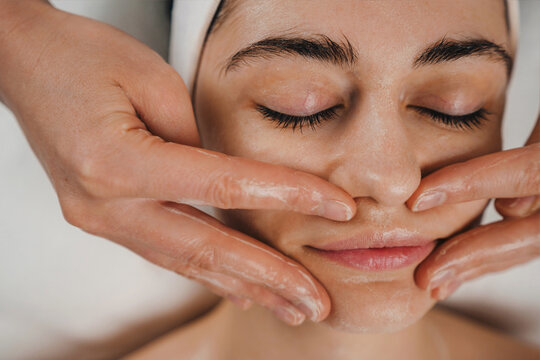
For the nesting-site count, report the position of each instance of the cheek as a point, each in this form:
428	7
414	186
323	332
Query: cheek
228	124
436	148
228	129
244	133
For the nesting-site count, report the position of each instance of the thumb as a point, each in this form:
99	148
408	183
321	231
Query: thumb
162	101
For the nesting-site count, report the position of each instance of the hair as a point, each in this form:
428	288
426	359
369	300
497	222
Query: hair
223	11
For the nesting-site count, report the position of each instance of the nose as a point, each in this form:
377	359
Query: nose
377	158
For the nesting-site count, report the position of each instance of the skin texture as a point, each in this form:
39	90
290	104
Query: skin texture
376	150
113	126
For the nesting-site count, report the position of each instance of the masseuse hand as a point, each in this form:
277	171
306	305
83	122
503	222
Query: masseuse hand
113	126
513	178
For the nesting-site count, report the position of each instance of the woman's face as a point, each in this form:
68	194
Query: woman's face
377	75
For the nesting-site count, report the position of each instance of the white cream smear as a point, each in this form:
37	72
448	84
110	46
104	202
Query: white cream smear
284	193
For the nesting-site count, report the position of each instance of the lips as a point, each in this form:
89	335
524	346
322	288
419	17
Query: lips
393	238
377	251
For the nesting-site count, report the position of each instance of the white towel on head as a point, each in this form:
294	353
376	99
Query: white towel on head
190	22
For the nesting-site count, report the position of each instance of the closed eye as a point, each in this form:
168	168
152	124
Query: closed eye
293	121
463	122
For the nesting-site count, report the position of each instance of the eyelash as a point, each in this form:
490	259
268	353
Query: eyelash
462	122
285	120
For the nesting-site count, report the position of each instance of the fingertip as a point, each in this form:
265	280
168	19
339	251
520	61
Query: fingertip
289	315
422	281
336	210
429	200
422	275
517	207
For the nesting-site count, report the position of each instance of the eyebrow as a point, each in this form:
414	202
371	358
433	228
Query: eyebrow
342	53
319	47
446	50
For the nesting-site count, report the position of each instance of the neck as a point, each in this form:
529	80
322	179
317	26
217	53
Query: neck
256	333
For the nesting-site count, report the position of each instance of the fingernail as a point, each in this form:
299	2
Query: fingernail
525	203
242	303
289	315
308	311
440	278
335	210
429	200
447	289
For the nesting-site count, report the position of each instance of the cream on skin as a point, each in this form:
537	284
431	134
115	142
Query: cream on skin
376	148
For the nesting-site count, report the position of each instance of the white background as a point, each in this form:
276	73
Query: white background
65	294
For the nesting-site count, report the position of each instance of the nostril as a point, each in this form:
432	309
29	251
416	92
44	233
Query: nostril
389	177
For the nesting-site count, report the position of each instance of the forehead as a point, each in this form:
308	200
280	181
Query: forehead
376	27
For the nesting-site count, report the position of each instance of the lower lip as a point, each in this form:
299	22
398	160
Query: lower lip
379	259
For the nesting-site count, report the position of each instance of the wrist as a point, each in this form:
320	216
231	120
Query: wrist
15	12
19	21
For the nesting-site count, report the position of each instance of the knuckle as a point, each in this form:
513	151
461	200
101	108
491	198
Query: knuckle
72	214
188	271
205	257
296	199
90	175
77	212
224	192
98	179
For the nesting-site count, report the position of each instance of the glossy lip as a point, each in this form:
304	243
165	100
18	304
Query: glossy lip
378	251
379	259
394	238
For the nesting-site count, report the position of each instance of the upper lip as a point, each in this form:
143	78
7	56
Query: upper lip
366	240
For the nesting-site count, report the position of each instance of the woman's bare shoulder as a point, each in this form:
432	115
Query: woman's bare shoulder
466	338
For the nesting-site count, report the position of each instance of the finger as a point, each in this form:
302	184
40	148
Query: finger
506	174
242	303
485	249
241	293
518	207
226	286
197	240
446	289
142	165
523	206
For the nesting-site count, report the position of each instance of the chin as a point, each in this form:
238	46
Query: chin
375	303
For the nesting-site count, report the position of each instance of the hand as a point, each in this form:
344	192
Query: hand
113	126
512	176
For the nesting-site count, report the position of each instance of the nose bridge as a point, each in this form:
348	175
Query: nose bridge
378	160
